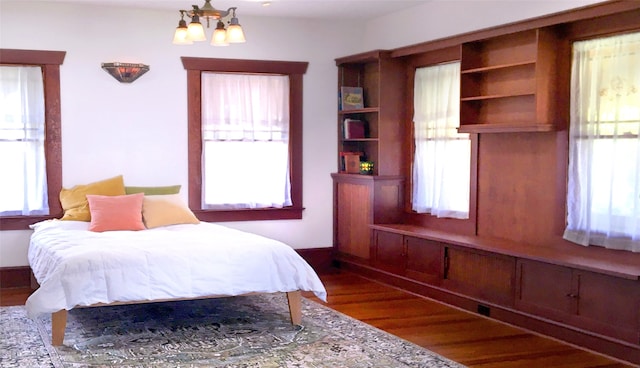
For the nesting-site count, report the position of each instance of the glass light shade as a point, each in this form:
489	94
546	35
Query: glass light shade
196	30
235	34
181	37
219	36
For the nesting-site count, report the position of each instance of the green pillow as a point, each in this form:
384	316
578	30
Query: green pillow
169	189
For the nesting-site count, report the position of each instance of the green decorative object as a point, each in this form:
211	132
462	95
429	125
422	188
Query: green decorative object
366	168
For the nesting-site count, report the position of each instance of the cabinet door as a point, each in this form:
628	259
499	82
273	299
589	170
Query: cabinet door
609	305
424	260
485	276
389	252
546	290
354	214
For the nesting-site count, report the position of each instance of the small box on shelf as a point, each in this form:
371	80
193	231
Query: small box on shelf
350	162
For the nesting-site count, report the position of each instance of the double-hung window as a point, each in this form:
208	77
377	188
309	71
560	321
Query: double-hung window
603	200
245	138
442	157
30	147
245	141
23	190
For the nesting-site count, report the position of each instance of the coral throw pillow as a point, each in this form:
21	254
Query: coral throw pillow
111	213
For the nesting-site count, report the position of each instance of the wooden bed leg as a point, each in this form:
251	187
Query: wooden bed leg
295	306
58	325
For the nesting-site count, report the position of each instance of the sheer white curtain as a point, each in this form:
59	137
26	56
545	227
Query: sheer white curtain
23	186
441	165
603	199
245	130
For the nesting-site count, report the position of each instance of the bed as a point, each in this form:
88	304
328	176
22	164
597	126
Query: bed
76	267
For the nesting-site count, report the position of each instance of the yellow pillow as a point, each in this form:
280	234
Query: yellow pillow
164	210
74	201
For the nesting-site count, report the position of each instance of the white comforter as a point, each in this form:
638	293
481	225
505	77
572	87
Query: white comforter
78	267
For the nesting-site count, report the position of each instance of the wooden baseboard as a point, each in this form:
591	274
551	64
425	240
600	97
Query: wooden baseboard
320	259
15	277
590	341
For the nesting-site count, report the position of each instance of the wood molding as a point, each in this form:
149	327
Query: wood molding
320	259
15	277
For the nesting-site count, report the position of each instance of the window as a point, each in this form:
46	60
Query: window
30	135
245	147
603	200
442	157
24	187
224	163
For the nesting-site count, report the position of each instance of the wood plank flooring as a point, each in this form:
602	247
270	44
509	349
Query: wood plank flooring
470	339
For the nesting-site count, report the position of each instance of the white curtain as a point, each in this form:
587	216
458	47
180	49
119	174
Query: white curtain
603	200
245	130
23	187
441	165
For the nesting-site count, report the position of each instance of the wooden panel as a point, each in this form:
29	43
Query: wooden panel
353	219
424	260
546	290
15	277
609	305
389	252
485	276
518	195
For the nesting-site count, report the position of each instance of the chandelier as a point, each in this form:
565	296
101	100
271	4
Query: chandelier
222	35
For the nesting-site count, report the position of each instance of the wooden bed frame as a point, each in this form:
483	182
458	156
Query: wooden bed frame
59	318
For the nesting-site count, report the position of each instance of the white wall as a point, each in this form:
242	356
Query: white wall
442	18
140	129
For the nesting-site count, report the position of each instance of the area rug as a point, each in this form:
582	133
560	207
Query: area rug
247	331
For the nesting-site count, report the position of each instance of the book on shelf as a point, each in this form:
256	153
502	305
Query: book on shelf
354	128
351	98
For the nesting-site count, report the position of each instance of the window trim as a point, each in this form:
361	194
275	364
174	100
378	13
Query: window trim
50	62
295	70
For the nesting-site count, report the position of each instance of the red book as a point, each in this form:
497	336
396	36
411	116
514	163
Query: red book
354	129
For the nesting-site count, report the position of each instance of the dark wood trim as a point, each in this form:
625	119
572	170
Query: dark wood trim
50	62
31	57
585	13
295	71
615	348
320	259
15	277
245	66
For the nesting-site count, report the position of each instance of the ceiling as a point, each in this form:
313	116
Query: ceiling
315	9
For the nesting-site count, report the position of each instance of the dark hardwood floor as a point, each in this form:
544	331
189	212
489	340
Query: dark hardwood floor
467	338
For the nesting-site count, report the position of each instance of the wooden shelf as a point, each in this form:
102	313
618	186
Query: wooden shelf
359	111
497	67
505	128
493	97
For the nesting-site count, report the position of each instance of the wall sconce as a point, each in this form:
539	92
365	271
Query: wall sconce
125	72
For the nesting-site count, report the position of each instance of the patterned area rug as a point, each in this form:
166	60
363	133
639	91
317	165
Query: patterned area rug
247	331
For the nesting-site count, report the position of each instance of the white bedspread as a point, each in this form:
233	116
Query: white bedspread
78	267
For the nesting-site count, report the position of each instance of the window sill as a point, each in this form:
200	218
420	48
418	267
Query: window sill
21	222
288	213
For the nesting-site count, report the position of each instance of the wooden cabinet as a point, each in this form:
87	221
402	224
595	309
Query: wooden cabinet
359	201
383	83
418	259
596	302
481	275
508	83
